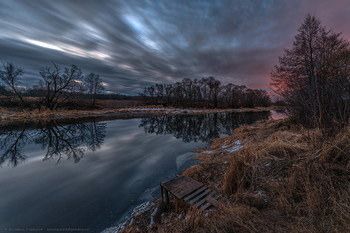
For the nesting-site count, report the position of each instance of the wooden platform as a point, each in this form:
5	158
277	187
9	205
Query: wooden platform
189	190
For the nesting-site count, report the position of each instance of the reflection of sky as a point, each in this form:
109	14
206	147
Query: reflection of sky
134	43
98	189
278	115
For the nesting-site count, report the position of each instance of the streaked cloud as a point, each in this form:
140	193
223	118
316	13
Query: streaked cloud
132	43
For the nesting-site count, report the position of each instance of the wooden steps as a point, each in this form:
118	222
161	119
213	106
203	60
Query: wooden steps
191	191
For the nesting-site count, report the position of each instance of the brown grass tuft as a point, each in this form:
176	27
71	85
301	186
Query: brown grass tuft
306	182
285	179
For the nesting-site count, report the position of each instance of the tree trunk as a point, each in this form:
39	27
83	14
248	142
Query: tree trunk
19	96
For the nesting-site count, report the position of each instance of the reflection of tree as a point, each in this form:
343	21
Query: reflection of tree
200	127
12	143
59	138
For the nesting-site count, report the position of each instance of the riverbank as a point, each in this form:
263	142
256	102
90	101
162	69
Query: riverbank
274	177
9	116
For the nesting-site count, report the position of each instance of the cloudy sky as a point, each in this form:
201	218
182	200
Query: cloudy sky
132	44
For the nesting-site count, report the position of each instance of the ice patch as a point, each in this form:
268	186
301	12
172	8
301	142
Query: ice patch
142	208
152	215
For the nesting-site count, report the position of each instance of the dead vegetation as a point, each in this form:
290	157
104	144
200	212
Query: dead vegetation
285	179
10	115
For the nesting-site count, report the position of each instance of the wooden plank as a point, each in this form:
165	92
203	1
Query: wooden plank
212	201
205	199
182	186
200	196
206	206
190	196
201	202
217	196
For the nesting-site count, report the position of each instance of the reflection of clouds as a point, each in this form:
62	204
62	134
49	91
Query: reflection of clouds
107	181
278	115
104	181
182	159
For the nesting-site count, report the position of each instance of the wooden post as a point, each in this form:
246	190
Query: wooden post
167	196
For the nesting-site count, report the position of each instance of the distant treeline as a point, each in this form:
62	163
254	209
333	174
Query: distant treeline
67	87
205	93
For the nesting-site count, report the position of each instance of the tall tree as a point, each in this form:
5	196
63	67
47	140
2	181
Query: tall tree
59	86
10	75
309	72
94	86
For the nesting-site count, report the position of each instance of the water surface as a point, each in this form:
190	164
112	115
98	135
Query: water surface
87	174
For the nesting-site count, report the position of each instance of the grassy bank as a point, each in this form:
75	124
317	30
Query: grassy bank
10	115
274	177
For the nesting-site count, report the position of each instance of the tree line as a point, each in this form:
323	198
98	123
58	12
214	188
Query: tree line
313	77
205	93
57	87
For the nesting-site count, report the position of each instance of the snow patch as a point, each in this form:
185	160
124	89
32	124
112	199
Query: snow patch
234	148
237	146
224	146
207	152
259	193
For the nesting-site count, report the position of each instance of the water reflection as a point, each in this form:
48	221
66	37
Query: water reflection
70	138
60	139
200	127
121	168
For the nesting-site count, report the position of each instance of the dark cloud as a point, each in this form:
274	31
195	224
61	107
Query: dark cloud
136	43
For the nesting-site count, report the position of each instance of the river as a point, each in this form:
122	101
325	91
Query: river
84	175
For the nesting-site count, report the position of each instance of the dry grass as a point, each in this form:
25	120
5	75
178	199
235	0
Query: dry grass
302	176
7	115
285	179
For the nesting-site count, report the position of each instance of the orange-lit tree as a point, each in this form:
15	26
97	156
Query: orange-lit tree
313	77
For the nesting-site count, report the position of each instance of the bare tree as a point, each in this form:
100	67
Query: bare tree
94	86
10	75
206	92
312	76
59	86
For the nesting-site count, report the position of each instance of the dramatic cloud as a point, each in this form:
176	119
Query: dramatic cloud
132	44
